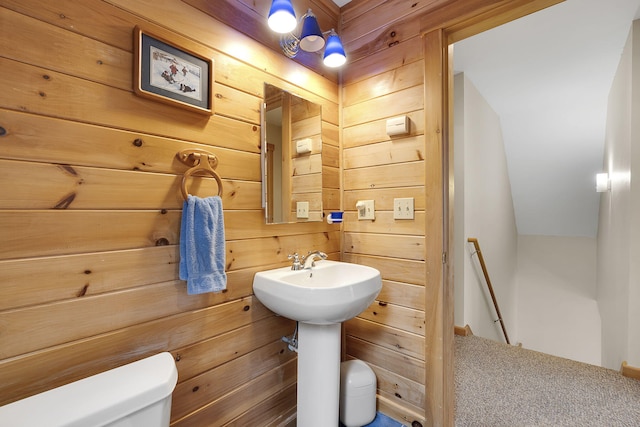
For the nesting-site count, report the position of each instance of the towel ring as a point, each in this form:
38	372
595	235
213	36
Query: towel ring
194	158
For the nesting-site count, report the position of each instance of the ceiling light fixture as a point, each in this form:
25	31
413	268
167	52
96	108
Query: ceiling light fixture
282	19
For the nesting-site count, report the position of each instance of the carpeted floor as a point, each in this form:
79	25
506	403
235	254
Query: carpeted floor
498	385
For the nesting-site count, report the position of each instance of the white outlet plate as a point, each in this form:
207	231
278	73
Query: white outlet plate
403	208
302	209
366	209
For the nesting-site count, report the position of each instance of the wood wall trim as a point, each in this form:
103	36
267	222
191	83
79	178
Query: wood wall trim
502	14
439	366
630	371
463	331
465	18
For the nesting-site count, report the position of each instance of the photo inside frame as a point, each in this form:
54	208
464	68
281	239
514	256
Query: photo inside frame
173	73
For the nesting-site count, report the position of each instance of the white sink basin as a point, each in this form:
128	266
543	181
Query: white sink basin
331	292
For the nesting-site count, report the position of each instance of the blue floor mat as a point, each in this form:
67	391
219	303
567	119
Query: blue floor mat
382	420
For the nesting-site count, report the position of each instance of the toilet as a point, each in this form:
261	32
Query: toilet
137	394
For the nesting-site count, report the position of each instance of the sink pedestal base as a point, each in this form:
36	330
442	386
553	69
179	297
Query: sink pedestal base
318	375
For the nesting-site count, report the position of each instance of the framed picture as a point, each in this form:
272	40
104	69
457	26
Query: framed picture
176	75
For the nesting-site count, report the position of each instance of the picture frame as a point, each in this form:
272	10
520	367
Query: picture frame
175	73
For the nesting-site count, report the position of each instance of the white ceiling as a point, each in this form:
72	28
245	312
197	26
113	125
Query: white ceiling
548	77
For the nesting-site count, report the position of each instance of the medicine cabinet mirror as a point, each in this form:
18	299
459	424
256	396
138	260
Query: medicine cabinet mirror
291	158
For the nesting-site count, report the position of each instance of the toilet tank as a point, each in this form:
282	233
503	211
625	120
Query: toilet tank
137	394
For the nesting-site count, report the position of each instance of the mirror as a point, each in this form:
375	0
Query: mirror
291	158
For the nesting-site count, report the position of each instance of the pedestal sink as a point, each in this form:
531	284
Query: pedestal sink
320	299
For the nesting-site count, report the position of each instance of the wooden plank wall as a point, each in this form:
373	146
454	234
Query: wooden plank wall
306	171
90	209
384	78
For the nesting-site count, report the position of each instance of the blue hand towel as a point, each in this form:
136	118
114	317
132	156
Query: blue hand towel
202	246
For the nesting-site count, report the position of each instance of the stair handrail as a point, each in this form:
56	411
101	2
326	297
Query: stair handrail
477	251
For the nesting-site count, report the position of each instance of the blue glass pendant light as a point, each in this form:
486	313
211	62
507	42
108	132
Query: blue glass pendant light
311	39
282	17
334	55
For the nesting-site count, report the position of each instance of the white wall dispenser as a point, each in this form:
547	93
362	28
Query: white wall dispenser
304	146
398	126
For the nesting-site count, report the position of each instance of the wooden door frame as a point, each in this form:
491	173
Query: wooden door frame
440	28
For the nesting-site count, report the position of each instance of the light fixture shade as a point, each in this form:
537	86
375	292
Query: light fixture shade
311	39
334	55
282	17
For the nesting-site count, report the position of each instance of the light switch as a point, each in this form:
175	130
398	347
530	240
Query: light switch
302	209
366	209
403	208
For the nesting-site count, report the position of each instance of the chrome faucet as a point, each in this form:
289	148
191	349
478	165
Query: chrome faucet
310	259
297	265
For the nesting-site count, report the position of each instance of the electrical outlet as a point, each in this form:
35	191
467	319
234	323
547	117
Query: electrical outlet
403	208
302	210
366	209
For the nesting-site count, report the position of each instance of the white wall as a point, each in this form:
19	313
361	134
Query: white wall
545	286
618	274
483	200
557	308
459	246
633	332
